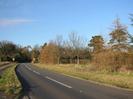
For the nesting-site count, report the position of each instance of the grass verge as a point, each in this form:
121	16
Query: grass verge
122	80
3	63
9	82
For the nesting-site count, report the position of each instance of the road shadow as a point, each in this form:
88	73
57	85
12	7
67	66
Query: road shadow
25	85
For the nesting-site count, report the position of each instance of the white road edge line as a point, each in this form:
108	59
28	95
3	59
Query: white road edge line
32	70
58	82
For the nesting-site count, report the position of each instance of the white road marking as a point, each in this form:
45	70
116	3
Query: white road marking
58	82
80	91
49	78
32	70
29	68
36	72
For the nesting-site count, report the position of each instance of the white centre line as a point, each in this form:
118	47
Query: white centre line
58	82
36	72
29	68
49	78
32	70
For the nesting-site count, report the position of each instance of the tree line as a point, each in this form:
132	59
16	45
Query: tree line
12	52
59	51
113	55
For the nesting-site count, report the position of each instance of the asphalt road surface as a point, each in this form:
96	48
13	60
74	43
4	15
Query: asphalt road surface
44	84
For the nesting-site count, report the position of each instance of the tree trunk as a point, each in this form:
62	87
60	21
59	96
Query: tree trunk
70	60
77	60
58	60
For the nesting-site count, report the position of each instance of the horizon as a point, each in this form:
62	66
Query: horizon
31	22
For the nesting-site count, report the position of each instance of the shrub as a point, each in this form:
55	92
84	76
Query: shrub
113	60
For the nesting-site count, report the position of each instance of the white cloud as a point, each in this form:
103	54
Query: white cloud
6	22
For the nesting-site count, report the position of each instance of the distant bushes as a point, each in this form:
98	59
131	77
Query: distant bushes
116	55
48	54
71	51
113	55
12	52
113	61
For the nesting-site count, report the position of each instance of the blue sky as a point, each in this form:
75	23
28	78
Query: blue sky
30	22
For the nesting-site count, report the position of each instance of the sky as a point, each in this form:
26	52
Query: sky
31	22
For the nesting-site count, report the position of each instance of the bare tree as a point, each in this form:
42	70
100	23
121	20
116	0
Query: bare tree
59	43
35	53
75	43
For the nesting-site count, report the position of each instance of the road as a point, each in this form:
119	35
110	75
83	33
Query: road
44	84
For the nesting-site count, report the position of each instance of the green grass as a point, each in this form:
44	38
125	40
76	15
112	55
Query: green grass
9	82
123	80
